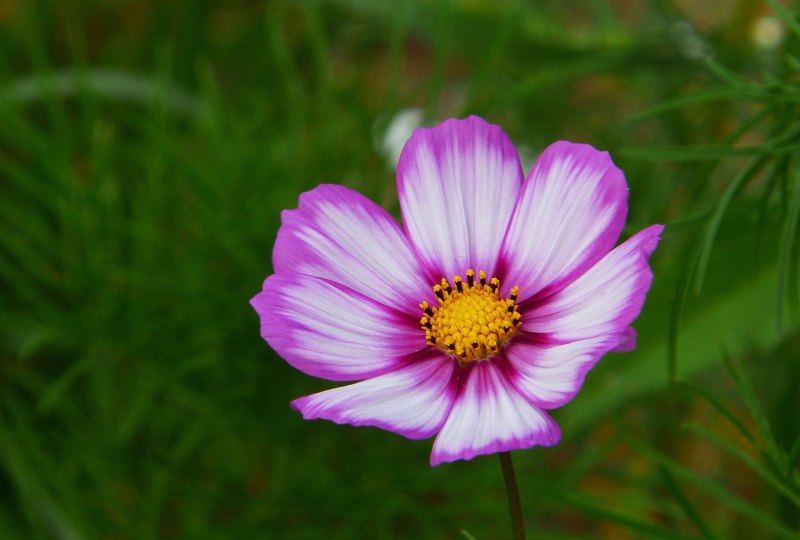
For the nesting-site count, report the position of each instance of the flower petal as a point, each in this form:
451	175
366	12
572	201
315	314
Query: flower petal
550	375
627	341
332	332
338	234
490	415
569	215
604	300
458	183
413	400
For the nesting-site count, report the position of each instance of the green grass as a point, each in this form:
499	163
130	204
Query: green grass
146	151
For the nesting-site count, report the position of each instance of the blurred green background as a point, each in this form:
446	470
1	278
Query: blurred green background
146	150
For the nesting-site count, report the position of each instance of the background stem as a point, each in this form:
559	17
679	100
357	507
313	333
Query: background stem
512	494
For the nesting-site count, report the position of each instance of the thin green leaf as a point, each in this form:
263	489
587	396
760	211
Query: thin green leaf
641	528
786	16
745	385
720	407
712	94
794	455
676	314
721	493
765	473
295	91
719	212
786	252
696	153
733	79
684	503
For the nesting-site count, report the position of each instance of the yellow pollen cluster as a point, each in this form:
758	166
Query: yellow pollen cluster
472	320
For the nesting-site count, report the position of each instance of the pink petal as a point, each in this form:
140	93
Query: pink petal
551	375
569	215
604	300
627	341
458	183
490	415
413	400
332	332
340	235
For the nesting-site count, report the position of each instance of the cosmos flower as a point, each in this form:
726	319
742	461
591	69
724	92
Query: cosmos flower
485	311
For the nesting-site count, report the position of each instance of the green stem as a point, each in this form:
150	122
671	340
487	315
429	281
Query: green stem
512	494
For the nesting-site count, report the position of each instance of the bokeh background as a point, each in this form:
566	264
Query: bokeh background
147	149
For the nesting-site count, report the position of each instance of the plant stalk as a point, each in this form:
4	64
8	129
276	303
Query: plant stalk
512	494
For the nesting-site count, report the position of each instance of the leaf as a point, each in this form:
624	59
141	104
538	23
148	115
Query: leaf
642	529
765	473
721	493
726	320
721	408
786	251
684	503
786	16
716	219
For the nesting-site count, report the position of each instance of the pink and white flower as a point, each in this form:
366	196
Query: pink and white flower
486	310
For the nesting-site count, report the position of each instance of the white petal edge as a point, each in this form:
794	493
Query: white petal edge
604	300
340	235
570	213
458	184
413	400
551	375
331	332
489	416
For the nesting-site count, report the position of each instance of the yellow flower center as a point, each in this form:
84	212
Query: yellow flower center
472	320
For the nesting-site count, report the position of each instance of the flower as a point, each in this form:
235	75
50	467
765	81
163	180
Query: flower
489	308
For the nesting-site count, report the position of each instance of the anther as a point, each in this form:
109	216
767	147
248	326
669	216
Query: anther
445	285
426	308
471	320
459	285
437	289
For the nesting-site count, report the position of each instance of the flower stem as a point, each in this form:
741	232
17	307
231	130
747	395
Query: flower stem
512	494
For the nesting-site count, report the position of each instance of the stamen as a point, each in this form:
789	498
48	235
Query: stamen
445	285
426	308
459	285
437	290
472	320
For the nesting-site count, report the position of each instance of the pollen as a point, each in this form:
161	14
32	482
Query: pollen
472	320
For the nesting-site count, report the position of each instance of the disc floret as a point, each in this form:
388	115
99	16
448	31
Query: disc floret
472	320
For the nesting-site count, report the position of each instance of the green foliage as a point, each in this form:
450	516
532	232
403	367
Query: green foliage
146	151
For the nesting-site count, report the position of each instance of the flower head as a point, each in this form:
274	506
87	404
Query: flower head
487	310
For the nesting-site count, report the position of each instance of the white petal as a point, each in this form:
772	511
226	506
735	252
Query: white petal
458	183
490	416
340	235
569	215
332	332
413	400
604	300
550	375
